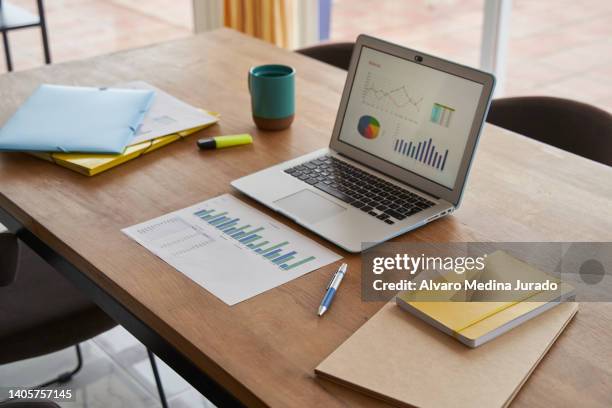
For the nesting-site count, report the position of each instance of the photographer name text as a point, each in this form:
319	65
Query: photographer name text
492	285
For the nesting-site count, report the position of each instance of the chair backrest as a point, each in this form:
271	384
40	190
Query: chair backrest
9	257
30	404
569	125
336	54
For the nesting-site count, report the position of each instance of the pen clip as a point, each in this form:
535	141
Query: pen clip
342	269
332	280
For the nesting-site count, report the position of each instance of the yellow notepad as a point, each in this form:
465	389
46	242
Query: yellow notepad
478	320
92	164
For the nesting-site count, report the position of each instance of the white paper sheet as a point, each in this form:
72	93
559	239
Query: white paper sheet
167	115
231	249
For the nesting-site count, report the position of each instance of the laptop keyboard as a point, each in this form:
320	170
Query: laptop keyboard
372	195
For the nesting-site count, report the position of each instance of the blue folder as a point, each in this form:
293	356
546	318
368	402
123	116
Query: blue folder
76	120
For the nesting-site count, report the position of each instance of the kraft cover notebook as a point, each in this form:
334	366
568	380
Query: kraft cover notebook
399	358
71	119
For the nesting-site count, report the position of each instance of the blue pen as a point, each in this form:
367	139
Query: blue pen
333	286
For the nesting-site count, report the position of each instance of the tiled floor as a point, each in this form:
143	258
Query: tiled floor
116	373
83	28
557	47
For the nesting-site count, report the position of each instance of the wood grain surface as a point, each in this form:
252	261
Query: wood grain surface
264	350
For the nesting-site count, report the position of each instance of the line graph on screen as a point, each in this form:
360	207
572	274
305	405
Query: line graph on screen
394	99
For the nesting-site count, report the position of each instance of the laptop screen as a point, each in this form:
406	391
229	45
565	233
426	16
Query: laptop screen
411	115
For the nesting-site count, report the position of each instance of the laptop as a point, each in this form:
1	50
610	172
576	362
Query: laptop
400	152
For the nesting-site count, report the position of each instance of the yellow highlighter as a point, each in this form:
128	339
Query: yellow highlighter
221	142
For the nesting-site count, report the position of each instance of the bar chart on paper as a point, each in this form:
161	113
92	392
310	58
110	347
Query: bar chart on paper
229	248
280	254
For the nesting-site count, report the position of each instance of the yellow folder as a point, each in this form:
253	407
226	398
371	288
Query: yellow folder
92	164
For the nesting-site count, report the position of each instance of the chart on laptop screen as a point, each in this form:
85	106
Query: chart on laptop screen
411	115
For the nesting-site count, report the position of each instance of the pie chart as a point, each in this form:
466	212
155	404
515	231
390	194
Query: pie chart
368	127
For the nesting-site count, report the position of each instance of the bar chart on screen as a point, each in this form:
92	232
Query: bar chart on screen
441	114
423	151
229	248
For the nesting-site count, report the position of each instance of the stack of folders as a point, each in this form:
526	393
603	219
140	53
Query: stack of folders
90	164
91	130
168	120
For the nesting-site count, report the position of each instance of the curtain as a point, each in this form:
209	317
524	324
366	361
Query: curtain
270	20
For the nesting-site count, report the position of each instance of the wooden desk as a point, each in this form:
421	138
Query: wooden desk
263	351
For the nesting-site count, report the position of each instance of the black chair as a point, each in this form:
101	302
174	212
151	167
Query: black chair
15	18
569	125
336	54
41	312
29	404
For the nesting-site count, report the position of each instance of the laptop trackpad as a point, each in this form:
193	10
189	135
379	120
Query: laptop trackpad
309	206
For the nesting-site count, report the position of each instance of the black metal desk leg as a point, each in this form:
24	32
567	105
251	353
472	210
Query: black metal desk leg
158	382
7	51
43	31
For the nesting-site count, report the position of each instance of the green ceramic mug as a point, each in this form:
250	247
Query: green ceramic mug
272	89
